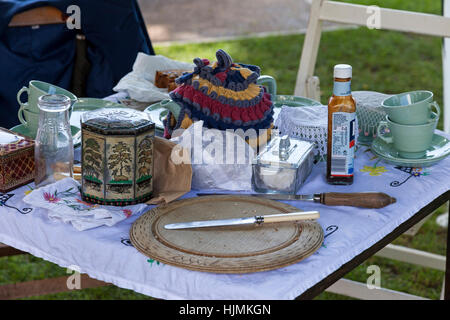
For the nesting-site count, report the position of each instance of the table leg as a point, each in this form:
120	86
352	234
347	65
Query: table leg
363	256
447	268
8	251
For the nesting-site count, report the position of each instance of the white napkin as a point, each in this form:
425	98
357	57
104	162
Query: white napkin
139	83
63	201
217	163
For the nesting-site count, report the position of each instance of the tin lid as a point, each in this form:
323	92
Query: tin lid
285	152
116	121
11	142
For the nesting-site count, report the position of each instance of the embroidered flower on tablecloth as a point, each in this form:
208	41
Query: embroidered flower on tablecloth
127	212
52	198
413	172
417	172
374	170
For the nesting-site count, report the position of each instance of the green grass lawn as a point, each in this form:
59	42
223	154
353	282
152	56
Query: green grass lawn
382	61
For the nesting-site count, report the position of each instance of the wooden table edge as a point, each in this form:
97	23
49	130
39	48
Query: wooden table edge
320	286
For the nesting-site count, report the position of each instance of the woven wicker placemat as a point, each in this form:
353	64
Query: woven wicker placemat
237	249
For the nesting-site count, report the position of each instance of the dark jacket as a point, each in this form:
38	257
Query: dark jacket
115	33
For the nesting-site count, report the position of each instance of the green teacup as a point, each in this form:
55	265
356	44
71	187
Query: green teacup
411	107
411	141
39	88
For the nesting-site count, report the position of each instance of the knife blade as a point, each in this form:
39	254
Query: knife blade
373	200
272	196
293	216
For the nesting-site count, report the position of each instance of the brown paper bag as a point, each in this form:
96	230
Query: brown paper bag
171	180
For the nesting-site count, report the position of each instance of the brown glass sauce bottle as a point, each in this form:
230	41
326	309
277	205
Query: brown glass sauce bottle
341	129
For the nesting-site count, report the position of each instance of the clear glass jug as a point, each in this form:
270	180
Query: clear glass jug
53	145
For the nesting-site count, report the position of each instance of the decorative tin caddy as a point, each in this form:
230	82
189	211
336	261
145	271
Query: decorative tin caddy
117	156
16	160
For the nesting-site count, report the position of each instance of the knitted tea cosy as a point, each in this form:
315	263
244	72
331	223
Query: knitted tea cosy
224	95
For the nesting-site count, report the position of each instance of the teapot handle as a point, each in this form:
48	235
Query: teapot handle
172	106
270	83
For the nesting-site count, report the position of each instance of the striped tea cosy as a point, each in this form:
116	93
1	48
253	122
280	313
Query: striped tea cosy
224	95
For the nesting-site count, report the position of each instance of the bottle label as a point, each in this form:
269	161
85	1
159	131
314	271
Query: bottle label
342	89
343	144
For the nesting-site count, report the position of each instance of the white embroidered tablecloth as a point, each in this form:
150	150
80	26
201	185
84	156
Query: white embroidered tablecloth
105	253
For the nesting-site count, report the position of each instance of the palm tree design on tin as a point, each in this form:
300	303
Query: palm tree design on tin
93	163
119	164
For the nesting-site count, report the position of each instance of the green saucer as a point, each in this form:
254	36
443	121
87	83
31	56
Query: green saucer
293	101
23	130
89	104
157	112
439	149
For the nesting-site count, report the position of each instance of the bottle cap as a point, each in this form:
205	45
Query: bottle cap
342	71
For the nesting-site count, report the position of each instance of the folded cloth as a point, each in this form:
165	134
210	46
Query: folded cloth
63	201
139	83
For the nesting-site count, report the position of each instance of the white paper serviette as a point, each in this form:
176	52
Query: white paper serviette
63	202
139	83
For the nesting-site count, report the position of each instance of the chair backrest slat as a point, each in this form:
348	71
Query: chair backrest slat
390	19
38	16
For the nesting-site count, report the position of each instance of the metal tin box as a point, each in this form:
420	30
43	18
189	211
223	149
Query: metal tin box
282	166
117	156
16	160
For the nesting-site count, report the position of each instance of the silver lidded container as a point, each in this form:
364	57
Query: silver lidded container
283	165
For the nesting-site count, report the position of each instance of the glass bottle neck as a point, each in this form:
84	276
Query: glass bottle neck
342	87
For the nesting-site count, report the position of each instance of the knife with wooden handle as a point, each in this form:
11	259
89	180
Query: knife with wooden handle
373	200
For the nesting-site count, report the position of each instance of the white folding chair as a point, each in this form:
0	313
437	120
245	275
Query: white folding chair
308	85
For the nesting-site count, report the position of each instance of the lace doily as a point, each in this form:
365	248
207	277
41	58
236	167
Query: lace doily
306	123
369	111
